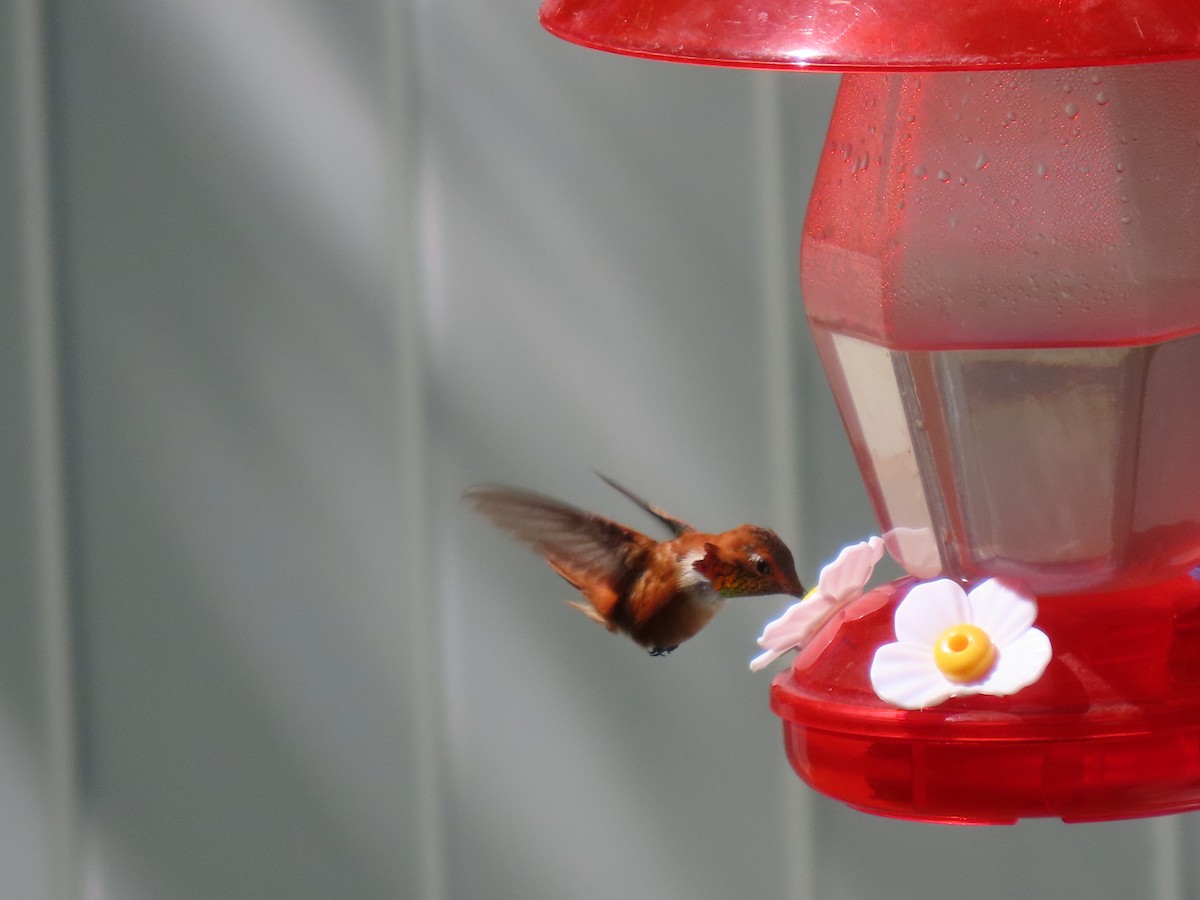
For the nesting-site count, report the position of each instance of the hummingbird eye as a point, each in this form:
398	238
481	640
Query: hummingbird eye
762	566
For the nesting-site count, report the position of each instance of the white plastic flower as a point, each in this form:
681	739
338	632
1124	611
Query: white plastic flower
950	643
840	582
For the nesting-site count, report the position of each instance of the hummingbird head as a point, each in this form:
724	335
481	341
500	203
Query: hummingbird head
749	561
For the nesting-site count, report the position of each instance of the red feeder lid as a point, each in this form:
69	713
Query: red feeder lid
859	35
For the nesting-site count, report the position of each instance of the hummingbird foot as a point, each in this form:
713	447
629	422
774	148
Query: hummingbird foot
662	651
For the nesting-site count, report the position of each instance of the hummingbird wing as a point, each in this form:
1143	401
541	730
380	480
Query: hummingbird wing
678	526
597	556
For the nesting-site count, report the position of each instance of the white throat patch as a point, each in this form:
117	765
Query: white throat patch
691	580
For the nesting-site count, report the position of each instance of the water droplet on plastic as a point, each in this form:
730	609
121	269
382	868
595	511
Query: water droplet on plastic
1120	166
1072	110
1042	171
943	176
919	171
981	161
1101	98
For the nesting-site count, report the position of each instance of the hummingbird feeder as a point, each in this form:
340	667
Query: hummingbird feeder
1001	268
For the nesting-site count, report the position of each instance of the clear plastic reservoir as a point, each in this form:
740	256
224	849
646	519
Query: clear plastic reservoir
1002	272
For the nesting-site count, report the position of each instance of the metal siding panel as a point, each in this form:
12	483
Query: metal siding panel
231	290
37	753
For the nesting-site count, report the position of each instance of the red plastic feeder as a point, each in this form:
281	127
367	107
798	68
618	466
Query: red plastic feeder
1000	265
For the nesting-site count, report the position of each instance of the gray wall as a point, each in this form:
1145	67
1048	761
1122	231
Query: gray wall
278	281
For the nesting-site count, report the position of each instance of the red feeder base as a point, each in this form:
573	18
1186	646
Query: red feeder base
1110	731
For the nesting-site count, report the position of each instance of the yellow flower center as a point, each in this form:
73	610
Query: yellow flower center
964	653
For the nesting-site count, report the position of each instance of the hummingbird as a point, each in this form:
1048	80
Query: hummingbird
659	593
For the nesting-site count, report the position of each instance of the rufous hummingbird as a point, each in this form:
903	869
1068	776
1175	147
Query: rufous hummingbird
660	593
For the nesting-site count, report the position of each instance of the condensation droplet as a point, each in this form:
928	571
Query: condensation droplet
1072	110
1120	166
943	176
1101	98
919	171
1042	171
981	161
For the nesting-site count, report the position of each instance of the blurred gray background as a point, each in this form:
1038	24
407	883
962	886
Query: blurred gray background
279	280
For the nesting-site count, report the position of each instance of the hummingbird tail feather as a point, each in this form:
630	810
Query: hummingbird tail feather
591	613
